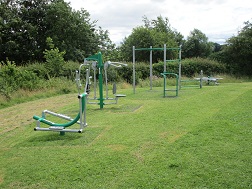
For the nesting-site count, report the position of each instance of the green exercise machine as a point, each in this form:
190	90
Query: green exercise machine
95	63
64	127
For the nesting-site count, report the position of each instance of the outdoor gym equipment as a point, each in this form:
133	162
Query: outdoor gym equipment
62	127
95	62
79	119
165	73
209	80
191	82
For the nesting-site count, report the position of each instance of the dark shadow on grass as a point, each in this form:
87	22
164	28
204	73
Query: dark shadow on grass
55	136
48	138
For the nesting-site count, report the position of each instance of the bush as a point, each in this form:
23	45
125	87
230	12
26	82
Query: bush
69	70
13	78
191	67
37	68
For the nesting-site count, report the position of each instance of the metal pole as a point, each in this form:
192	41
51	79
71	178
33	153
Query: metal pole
201	75
87	79
164	58
95	83
151	68
100	66
106	82
180	67
134	72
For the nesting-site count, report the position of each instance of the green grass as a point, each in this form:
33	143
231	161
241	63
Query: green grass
201	139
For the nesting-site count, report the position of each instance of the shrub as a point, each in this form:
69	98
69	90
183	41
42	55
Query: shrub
191	66
69	70
13	78
38	68
54	59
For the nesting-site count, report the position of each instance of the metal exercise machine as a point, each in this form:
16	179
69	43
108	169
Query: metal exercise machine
64	127
95	63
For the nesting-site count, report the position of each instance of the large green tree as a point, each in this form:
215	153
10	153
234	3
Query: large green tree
197	45
26	24
237	53
153	33
22	29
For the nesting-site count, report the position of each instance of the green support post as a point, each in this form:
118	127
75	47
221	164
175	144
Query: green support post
100	67
98	57
177	80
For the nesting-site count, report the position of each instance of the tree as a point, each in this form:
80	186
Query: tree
238	51
106	46
197	45
26	24
153	33
21	27
54	59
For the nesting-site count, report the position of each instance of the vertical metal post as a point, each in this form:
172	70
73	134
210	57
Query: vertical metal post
164	84
95	83
84	122
177	88
80	108
106	81
100	66
179	79
87	79
201	76
164	58
151	68
134	72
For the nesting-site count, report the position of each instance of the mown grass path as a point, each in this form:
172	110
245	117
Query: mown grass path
202	139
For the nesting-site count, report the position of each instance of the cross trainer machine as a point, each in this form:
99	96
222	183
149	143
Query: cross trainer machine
63	127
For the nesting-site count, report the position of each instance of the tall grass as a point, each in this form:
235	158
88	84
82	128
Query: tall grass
47	88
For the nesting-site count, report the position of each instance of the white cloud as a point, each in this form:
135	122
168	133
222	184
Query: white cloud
218	19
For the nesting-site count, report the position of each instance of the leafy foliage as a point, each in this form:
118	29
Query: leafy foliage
13	78
154	33
54	60
197	45
25	25
238	51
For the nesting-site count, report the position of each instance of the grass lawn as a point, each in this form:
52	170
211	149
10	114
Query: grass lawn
201	139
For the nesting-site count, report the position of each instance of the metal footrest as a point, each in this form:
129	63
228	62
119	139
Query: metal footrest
120	95
56	128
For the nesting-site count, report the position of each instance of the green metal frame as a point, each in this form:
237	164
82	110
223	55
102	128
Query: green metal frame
61	127
178	76
98	57
177	85
44	120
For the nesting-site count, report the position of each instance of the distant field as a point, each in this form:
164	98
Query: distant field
201	139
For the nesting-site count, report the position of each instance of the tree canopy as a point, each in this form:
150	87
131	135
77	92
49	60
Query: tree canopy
197	45
153	33
25	25
237	53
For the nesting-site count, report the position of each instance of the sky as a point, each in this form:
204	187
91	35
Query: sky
217	19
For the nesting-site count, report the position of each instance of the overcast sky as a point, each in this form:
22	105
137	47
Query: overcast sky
218	19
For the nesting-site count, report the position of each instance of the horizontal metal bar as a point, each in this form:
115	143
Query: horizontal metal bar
62	130
58	115
149	49
175	60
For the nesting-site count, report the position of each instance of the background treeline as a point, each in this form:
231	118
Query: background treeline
44	40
